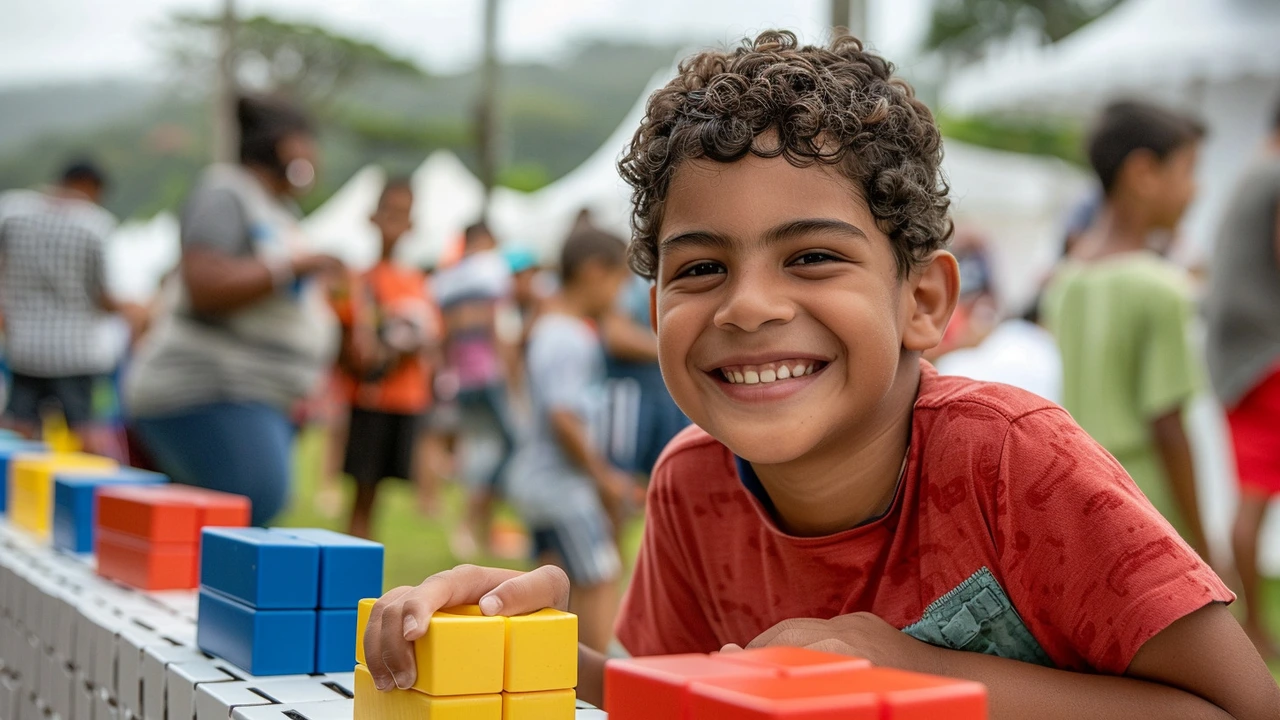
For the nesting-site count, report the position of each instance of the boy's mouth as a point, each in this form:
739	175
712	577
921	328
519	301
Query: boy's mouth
771	372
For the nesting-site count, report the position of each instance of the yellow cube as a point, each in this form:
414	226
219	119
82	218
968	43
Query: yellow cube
31	485
542	652
547	705
362	619
461	654
370	704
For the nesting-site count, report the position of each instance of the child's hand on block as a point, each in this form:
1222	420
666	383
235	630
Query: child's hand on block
402	615
860	634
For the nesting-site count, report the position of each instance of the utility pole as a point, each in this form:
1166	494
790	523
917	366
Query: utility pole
487	108
849	17
225	138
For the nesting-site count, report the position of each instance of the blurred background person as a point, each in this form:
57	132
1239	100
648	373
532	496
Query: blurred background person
53	296
976	312
471	295
562	482
386	348
1120	312
1243	313
248	332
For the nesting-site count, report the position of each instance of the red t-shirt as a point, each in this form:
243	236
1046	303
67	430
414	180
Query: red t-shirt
1012	533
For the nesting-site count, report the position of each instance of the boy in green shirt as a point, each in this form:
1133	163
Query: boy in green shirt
1120	311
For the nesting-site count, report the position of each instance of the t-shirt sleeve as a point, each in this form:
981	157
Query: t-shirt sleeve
1091	566
1167	373
214	219
660	614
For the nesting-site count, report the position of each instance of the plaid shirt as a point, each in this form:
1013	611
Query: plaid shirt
51	276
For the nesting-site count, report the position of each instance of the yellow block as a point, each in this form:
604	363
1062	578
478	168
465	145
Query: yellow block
362	619
541	652
548	705
31	485
413	705
461	654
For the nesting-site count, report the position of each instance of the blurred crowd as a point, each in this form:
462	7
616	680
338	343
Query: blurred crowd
538	383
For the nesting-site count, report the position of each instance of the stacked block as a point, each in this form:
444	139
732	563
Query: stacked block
473	667
31	485
283	601
781	684
148	537
75	507
11	445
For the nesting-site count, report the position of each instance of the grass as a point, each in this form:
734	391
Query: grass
417	547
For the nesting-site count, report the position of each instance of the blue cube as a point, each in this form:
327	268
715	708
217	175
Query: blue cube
260	642
350	568
75	509
8	448
260	568
335	641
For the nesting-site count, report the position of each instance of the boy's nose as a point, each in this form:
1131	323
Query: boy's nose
750	305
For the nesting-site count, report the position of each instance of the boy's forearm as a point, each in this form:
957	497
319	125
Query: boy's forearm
1018	690
572	436
1175	454
591	676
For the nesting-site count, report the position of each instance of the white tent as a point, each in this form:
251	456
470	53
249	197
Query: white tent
1217	58
138	254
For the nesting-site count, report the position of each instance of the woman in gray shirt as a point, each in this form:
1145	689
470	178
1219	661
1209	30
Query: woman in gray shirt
246	332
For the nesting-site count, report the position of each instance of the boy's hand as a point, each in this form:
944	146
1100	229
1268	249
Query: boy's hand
402	615
860	634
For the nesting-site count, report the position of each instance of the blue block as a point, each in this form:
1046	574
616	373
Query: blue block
260	642
350	568
335	641
8	448
263	569
75	512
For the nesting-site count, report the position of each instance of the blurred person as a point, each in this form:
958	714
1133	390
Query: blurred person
247	331
471	295
976	313
1120	312
562	483
1243	312
53	295
391	328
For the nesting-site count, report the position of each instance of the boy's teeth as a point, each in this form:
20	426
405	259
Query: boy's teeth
764	374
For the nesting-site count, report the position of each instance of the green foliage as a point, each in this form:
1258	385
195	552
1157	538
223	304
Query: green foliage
962	28
525	177
1061	139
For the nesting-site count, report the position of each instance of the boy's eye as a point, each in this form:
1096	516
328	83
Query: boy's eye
702	268
814	257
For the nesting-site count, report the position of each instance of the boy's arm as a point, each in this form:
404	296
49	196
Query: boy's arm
613	484
1202	666
1175	453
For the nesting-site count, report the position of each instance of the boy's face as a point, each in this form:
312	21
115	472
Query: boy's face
393	216
1167	186
779	275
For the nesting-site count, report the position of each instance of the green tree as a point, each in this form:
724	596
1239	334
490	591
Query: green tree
962	28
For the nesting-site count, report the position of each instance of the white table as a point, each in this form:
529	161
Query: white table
74	646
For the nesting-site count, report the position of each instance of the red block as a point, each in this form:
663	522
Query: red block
796	662
873	694
144	565
217	509
656	688
168	513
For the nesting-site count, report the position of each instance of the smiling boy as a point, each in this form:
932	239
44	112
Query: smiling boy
836	492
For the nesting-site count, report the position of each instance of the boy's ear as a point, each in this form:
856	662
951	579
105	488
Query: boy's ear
935	290
653	308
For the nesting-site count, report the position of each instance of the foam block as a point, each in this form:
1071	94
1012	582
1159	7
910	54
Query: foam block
796	662
335	640
260	642
657	687
75	507
143	565
263	569
873	693
541	652
350	567
362	619
461	654
370	704
9	447
546	705
31	485
154	514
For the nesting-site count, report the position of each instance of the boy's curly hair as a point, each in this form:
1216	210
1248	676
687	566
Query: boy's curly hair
839	105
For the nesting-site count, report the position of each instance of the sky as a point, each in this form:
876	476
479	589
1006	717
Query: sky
44	41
